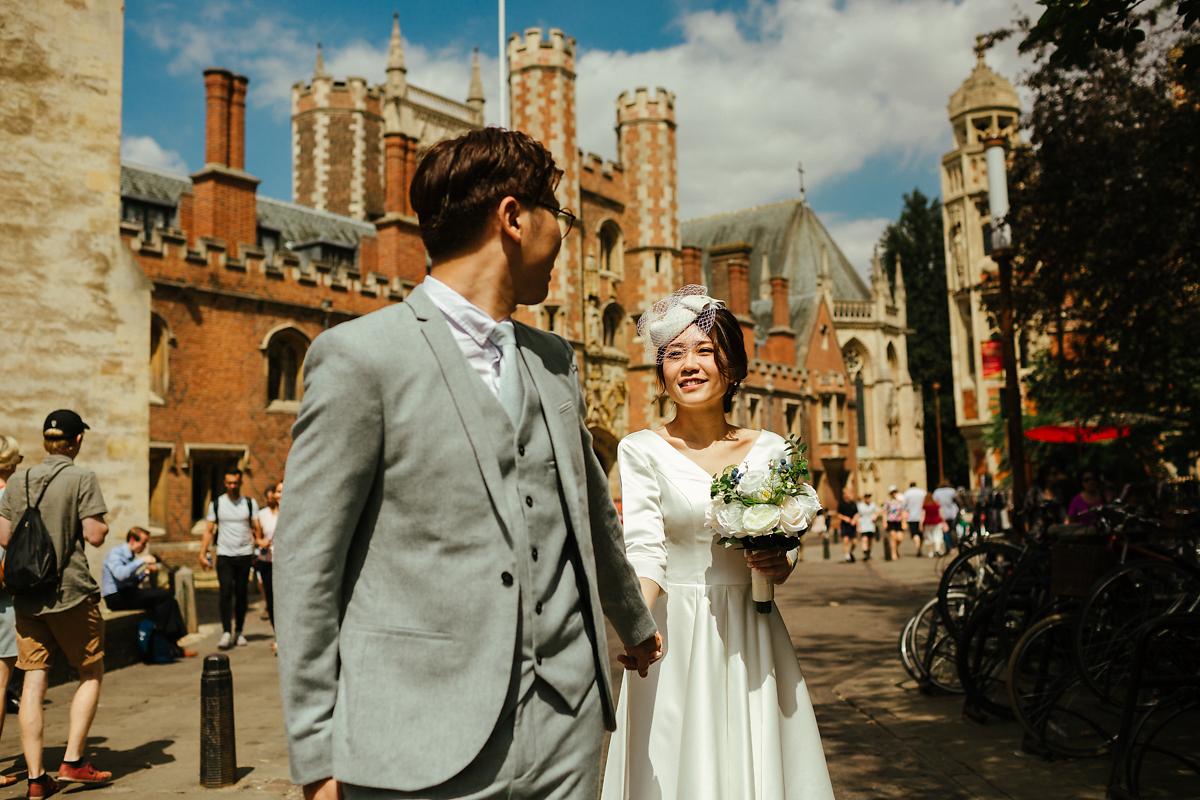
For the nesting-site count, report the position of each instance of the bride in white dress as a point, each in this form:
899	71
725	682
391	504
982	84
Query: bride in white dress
725	715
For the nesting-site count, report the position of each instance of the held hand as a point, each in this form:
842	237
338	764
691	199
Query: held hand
327	789
772	562
205	561
639	657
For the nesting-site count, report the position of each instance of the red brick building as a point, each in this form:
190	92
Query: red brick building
243	283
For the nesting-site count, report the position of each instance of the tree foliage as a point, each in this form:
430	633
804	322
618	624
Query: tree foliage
915	242
1106	227
1073	32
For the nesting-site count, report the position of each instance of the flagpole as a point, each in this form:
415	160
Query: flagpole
503	67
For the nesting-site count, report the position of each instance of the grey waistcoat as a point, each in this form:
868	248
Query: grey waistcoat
553	644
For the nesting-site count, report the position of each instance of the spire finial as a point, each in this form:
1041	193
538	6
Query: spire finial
475	90
800	169
395	46
319	69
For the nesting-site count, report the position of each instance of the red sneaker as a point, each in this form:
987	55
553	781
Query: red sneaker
84	773
43	788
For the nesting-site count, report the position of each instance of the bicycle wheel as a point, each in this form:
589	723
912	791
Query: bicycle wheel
934	649
1049	699
971	575
1119	603
904	646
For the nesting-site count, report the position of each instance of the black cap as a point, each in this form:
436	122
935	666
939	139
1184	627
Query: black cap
63	424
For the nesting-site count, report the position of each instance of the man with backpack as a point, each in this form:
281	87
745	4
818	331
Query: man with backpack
47	514
233	519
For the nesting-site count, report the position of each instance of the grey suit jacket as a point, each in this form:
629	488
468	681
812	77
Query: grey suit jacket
396	629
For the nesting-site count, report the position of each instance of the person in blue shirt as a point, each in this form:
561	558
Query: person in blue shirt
121	585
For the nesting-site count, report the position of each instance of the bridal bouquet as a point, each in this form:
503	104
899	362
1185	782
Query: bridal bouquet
759	508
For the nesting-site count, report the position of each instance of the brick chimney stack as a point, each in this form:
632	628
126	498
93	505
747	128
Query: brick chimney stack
731	271
781	339
692	273
398	228
225	202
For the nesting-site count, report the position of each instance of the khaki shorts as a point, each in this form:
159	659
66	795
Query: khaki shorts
78	632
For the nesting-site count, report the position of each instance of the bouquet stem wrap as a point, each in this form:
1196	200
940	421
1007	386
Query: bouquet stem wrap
762	590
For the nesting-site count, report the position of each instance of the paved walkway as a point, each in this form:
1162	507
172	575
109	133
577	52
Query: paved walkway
883	739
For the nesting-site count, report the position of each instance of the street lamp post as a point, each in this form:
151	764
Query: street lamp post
937	423
1002	254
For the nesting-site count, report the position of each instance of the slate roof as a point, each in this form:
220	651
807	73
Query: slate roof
296	224
791	237
803	312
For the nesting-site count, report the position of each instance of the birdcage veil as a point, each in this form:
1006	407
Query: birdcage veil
670	316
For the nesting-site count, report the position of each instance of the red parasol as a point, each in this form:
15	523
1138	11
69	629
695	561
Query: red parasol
1077	434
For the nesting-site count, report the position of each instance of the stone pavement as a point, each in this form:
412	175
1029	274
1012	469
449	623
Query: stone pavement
883	739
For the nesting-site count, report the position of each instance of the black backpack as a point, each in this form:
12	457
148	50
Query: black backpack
30	563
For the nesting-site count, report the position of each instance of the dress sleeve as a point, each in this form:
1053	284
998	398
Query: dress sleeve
641	502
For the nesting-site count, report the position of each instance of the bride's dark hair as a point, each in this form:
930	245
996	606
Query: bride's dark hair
729	353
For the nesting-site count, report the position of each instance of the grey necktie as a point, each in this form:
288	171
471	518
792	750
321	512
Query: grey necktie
505	337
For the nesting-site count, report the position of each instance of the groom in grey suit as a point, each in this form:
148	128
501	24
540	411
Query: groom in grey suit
448	549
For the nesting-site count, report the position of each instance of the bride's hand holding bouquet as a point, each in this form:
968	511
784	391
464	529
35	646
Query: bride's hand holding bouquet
765	511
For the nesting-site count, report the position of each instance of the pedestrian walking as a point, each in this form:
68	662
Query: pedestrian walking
932	525
914	509
125	567
65	617
233	519
267	518
847	512
10	457
893	510
868	514
947	499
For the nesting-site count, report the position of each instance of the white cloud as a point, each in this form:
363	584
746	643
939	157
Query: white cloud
857	238
145	150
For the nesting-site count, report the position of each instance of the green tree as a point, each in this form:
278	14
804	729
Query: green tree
1106	228
915	242
1071	33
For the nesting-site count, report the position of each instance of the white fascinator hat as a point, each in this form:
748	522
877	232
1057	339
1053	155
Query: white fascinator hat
670	316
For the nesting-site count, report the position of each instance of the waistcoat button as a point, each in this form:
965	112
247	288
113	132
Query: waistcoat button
534	554
506	578
538	608
521	450
529	501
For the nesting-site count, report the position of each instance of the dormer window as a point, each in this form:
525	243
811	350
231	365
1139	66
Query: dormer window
269	241
146	215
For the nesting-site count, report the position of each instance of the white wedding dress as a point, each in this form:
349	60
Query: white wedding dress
725	715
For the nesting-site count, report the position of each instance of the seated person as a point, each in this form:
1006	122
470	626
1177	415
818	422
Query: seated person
124	568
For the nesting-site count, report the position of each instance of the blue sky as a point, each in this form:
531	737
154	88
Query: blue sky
856	89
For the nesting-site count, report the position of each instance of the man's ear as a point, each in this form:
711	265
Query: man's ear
508	212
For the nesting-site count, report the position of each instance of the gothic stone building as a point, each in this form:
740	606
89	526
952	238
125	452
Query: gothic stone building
243	283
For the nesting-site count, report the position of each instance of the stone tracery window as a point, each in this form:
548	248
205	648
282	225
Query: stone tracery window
612	249
614	315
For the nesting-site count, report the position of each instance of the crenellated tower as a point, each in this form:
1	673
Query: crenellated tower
646	149
542	89
337	129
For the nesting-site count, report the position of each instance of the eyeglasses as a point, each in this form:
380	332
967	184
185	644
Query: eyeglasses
565	216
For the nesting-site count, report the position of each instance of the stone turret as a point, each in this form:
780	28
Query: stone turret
475	90
397	73
646	149
541	83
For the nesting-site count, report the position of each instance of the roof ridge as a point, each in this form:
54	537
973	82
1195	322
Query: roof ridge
155	170
317	212
793	201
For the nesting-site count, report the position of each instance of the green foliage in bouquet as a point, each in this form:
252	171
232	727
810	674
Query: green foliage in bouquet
787	477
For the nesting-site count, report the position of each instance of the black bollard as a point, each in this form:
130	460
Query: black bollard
218	744
825	546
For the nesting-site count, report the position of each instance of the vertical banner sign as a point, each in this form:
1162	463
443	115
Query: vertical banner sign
993	359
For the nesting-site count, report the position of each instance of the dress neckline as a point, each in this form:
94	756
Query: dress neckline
692	463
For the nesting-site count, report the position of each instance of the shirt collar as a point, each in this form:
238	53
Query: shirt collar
465	315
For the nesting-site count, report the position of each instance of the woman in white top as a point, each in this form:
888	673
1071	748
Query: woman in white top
268	515
725	715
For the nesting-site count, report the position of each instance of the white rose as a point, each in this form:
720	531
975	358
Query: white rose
761	519
798	512
753	482
725	518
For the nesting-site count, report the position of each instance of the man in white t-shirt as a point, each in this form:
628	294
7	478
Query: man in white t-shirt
914	507
234	520
867	513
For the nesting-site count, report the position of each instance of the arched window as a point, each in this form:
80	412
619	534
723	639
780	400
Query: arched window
893	364
160	338
285	362
614	315
612	249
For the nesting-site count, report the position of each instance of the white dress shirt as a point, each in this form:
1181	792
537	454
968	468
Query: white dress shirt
472	328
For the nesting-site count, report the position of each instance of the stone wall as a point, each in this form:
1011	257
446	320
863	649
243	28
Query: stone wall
76	321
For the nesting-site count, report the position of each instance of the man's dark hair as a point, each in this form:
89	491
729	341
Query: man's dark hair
459	182
729	353
232	471
136	533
